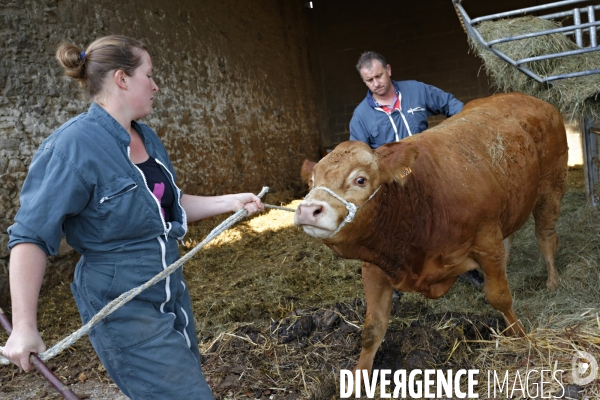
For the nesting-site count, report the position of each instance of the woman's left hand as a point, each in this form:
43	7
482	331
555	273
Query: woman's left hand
249	201
200	207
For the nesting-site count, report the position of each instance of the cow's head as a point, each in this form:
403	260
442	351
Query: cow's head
344	182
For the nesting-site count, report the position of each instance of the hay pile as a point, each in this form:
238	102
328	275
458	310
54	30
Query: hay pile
574	97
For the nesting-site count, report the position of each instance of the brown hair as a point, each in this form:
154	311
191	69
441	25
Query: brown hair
109	53
366	60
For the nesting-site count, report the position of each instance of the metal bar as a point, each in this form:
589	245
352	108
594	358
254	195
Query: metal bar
542	33
571	75
512	62
526	10
566	13
64	390
577	22
590	152
475	35
557	55
537	77
592	18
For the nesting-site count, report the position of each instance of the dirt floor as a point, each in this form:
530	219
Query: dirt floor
278	315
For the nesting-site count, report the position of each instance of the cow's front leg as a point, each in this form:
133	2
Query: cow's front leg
493	259
378	294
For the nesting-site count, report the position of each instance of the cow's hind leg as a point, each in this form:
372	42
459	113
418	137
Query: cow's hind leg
492	256
378	294
545	214
507	242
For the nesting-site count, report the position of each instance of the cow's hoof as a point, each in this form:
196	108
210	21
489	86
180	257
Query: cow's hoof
552	285
472	277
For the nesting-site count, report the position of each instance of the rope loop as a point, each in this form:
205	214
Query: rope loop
351	207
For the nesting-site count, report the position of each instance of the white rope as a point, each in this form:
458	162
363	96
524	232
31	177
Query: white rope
351	207
129	295
279	207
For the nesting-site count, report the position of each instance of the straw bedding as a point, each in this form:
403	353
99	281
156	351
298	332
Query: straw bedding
278	314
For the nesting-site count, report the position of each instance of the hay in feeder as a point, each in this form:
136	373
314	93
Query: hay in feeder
574	97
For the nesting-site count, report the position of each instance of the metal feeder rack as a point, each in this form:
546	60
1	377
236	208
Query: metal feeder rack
584	34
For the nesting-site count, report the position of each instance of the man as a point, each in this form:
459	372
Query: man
393	110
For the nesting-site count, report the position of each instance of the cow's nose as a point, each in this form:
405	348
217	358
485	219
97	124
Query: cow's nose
307	214
316	211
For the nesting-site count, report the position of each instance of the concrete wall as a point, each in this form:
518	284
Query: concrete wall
236	106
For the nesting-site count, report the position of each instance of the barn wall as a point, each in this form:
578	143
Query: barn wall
422	40
237	102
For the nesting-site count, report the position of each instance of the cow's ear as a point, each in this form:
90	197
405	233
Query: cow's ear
396	160
306	171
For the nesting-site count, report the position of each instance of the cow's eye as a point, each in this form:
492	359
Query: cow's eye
360	181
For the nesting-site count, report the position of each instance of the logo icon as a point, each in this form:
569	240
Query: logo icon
585	368
412	110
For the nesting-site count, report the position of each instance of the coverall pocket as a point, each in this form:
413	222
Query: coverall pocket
98	279
132	272
139	319
120	186
120	213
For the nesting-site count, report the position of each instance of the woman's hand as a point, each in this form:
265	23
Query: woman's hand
200	207
249	201
27	266
21	344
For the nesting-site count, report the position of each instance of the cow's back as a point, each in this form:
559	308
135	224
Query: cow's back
539	119
493	159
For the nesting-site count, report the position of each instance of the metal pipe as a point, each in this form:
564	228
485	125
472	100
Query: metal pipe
546	32
475	35
526	10
571	75
557	55
592	18
567	13
64	390
577	22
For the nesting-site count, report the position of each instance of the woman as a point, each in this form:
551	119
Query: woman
106	182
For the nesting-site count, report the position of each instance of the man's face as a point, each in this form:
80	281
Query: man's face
377	78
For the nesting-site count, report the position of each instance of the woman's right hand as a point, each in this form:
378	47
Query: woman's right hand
27	265
21	344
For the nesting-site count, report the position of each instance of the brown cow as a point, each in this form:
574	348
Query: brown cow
422	211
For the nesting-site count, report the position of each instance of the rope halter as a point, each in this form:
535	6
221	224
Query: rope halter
351	207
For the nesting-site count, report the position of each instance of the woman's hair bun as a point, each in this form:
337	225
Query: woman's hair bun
72	60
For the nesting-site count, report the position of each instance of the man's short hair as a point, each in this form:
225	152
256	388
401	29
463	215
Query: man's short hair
366	60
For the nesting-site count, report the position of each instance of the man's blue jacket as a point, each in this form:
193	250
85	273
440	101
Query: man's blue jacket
372	125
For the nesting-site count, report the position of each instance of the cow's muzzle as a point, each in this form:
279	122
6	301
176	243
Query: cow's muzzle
351	207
